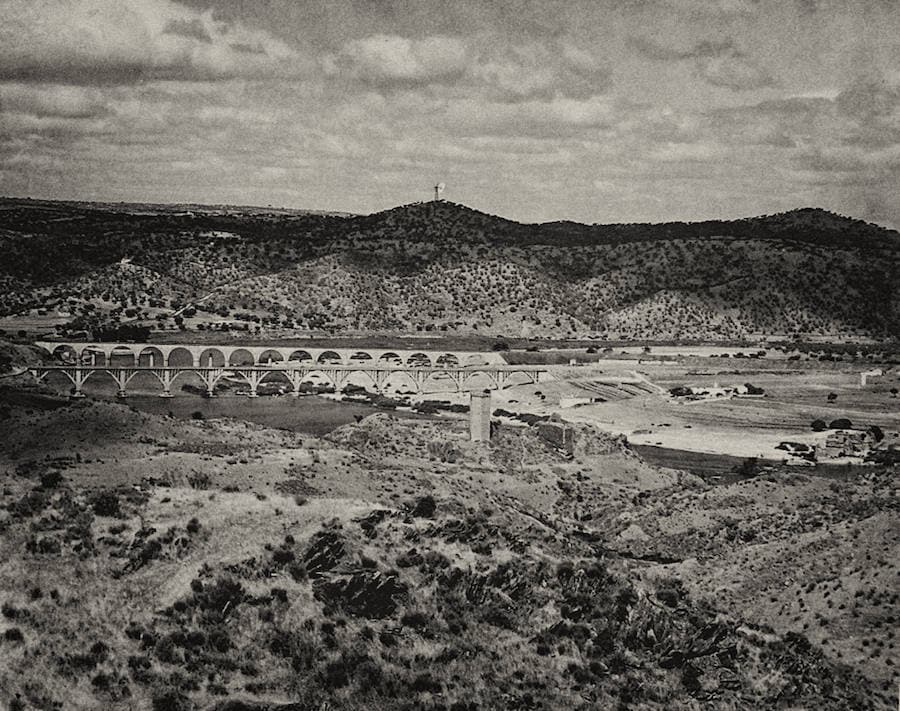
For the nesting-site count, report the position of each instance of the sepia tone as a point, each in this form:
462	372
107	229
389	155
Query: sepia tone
449	355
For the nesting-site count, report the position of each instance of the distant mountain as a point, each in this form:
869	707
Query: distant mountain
440	266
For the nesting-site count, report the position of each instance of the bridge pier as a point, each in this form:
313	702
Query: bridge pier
210	378
457	379
78	378
122	378
253	378
338	377
295	377
165	378
499	377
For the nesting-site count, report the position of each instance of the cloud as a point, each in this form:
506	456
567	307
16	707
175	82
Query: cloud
389	59
52	100
702	50
125	41
502	69
870	100
538	70
720	63
734	72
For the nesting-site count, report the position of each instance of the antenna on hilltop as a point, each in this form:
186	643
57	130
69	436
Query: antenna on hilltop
438	189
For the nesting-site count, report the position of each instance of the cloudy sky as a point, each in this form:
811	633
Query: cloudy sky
598	111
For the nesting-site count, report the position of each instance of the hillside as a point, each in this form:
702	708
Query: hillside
444	267
165	564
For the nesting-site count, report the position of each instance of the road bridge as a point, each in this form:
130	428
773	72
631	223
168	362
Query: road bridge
294	374
156	355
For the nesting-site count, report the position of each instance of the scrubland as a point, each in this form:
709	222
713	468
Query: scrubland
158	563
446	269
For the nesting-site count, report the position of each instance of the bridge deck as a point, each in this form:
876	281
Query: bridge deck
275	367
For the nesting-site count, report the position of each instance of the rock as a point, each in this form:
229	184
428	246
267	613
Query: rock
633	533
423	507
325	551
364	593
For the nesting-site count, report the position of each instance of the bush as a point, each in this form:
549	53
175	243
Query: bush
749	467
51	479
197	415
171	701
818	425
842	423
424	507
106	503
14	634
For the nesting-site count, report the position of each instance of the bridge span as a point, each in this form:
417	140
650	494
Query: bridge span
155	355
495	377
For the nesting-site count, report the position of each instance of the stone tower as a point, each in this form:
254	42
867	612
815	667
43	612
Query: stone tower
480	417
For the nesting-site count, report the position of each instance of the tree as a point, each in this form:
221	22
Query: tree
876	432
749	467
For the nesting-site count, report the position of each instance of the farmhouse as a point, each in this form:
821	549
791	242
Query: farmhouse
845	443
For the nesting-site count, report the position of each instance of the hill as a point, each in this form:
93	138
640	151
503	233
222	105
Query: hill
442	267
165	564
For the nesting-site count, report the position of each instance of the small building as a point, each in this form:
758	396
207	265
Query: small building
558	435
845	443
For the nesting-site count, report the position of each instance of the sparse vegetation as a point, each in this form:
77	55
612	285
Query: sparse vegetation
443	268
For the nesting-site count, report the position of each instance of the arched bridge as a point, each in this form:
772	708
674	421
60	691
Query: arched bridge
123	362
216	356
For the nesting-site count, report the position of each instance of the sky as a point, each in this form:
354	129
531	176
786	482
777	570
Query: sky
599	111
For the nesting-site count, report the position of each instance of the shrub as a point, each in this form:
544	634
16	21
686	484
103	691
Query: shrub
842	423
283	557
749	467
197	415
818	425
14	634
106	503
170	700
424	507
51	479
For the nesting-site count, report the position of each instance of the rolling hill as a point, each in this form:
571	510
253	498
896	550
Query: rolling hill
443	267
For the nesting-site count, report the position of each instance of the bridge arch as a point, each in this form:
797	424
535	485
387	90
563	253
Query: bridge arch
390	358
180	357
447	360
475	359
65	353
270	355
93	355
299	356
359	357
122	355
402	381
211	358
478	379
241	356
418	360
274	376
329	357
151	356
318	377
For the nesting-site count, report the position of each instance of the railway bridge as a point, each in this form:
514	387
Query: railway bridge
292	367
215	356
